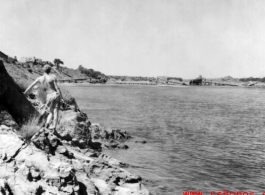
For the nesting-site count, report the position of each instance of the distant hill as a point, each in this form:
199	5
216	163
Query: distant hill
227	78
252	79
224	79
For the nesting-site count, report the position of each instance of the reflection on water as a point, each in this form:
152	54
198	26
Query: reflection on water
198	138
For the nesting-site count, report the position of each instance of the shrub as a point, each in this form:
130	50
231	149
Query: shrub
29	128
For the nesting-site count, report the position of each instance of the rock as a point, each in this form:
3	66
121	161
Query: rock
123	146
142	142
5	129
109	178
35	174
95	145
95	154
129	189
6	118
113	145
86	186
112	161
62	150
23	186
75	141
53	173
54	140
4	187
73	125
10	146
100	132
82	143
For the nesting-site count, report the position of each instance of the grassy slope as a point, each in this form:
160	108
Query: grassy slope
73	73
20	75
23	77
18	72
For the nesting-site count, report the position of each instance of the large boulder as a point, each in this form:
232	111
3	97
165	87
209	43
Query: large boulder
73	125
14	102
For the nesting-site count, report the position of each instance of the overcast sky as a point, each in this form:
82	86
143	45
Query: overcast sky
182	38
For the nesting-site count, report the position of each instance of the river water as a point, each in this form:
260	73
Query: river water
198	138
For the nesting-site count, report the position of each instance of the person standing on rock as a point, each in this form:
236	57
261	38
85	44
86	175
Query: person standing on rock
49	84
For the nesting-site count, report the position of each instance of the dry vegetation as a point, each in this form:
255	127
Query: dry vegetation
23	83
29	128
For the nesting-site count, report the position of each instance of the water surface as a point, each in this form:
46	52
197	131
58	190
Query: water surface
198	138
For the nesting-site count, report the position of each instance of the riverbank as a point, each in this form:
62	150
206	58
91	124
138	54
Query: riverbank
66	161
206	83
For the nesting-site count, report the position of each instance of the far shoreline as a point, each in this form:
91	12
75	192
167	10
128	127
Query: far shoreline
174	86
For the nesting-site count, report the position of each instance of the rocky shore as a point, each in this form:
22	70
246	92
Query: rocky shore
68	161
